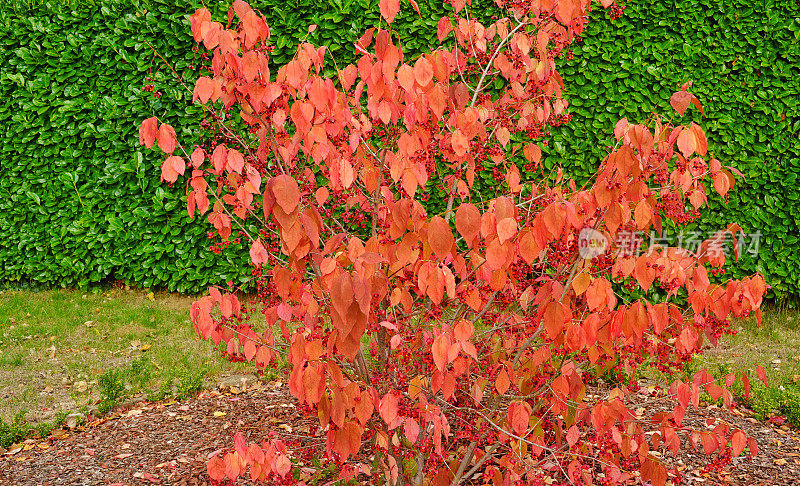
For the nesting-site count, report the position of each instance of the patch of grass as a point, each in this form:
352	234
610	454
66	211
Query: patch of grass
14	431
775	345
63	350
18	428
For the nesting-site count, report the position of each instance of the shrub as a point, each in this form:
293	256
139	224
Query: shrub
457	344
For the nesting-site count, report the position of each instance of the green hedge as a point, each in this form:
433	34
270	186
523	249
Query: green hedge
744	60
80	202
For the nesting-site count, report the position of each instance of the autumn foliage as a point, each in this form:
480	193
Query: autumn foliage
463	345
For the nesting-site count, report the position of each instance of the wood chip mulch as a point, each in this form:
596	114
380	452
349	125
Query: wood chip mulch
169	443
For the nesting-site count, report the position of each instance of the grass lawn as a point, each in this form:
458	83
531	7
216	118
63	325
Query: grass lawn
68	351
775	345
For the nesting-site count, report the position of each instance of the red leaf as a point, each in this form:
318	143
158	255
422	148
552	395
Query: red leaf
443	28
506	229
411	429
166	138
738	442
235	162
172	167
746	382
459	142
287	192
240	444
388	408
519	417
198	18
423	71
572	435
503	382
751	442
440	237
554	317
389	9
680	101
440	348
250	350
216	468
258	254
468	222
762	374
463	330
204	89
198	156
659	475
147	132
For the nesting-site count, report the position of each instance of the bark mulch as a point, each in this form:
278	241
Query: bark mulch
169	443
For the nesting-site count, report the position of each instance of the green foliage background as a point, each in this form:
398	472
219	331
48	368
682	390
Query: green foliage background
81	202
744	60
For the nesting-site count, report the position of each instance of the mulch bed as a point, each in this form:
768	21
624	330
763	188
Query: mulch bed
170	442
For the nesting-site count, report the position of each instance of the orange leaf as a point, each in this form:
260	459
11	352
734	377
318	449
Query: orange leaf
440	237
503	382
497	254
762	374
463	330
282	465
519	417
287	192
709	442
533	153
554	318
528	247
204	89
198	18
722	182
172	167
440	348
321	195
468	222
443	28
235	162
389	9
687	142
738	442
600	294
216	468
506	229
423	71
680	101
388	408
411	429
147	132
167	139
258	254
405	76
460	143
